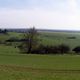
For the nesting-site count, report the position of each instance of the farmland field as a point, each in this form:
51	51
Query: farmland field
55	38
17	66
71	39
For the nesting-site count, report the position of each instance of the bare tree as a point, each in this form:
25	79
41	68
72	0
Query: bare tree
32	36
31	42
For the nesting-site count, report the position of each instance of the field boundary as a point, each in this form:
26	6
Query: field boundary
21	68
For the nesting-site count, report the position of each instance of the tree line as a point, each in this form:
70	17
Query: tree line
3	31
32	45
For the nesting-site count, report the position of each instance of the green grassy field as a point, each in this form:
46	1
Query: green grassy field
56	38
16	66
50	38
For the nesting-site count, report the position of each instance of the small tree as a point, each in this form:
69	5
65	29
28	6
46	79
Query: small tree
5	31
31	42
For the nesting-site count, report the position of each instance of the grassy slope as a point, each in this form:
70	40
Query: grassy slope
56	38
11	74
53	38
42	61
15	66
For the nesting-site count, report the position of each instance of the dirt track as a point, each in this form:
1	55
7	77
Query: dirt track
21	68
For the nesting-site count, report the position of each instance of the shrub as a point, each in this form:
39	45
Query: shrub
73	37
76	49
63	48
60	49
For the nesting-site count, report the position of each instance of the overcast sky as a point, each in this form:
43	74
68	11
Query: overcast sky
43	14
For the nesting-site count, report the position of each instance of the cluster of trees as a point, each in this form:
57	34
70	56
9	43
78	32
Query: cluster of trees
4	31
42	49
60	49
32	45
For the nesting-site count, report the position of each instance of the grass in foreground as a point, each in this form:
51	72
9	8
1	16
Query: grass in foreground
21	73
15	66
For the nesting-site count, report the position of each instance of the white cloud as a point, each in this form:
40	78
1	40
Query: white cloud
72	5
42	18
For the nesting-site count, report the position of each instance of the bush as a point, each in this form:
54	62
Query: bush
60	49
63	48
73	37
39	50
76	49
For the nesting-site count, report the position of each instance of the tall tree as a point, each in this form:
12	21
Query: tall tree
32	39
31	42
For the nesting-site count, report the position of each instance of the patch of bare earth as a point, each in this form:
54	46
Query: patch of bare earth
21	68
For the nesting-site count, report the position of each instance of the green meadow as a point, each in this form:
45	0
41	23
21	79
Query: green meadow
17	66
56	38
